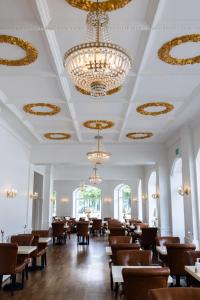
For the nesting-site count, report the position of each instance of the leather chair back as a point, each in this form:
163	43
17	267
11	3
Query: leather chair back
114	223
82	228
116	247
107	219
22	239
175	294
138	282
176	257
134	258
163	240
57	229
97	224
191	257
117	231
41	233
148	236
8	258
119	240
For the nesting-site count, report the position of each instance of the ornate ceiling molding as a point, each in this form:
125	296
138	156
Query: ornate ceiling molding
31	51
57	136
164	52
98	124
139	135
142	109
90	5
54	109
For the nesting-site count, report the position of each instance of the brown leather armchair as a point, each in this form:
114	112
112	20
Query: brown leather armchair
176	259
134	258
114	223
175	294
116	231
9	264
58	232
41	233
82	233
42	247
163	241
97	226
138	282
23	240
119	240
116	247
148	238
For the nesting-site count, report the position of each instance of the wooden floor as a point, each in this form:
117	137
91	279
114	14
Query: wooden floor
72	273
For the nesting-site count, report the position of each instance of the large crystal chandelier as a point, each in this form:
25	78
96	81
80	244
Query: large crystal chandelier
97	67
98	156
95	178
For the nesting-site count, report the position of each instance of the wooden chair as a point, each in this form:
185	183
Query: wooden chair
9	264
138	282
83	233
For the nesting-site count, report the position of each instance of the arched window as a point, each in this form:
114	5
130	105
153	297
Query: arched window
122	202
87	202
178	223
153	209
140	214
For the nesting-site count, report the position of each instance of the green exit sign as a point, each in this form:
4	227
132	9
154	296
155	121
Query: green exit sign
177	151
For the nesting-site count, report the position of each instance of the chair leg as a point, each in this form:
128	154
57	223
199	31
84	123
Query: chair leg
178	282
13	283
1	279
26	271
45	259
22	286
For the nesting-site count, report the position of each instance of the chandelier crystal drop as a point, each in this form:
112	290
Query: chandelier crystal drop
98	156
95	178
97	67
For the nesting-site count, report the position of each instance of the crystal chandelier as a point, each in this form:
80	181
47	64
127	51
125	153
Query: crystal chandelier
98	156
95	178
97	67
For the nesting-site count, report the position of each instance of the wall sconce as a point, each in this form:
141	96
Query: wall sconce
11	193
135	199
34	196
184	191
64	200
156	196
108	199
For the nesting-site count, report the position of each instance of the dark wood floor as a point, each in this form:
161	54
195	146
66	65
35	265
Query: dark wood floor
72	273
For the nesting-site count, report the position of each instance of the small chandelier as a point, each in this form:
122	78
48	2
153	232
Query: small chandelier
97	67
98	156
95	178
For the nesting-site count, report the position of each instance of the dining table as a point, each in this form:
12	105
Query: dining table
193	271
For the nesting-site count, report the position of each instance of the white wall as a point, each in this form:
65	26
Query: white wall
14	173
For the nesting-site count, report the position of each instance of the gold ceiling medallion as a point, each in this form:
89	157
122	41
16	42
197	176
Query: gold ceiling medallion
139	135
98	124
108	93
90	5
31	52
167	108
54	109
165	51
57	136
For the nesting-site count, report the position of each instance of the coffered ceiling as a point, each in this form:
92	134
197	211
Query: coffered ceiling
142	27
